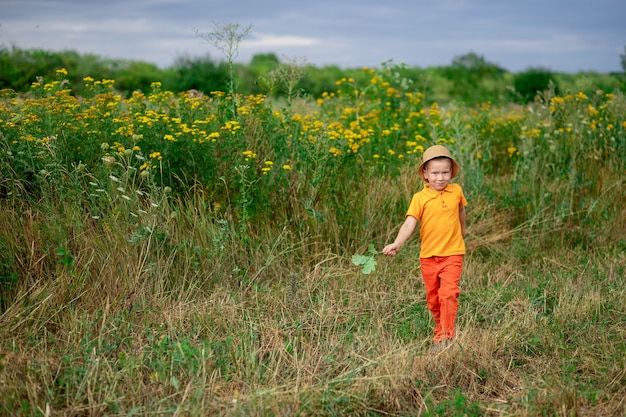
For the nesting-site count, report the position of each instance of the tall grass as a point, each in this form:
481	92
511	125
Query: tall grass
163	254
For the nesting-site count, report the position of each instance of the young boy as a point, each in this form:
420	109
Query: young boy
440	207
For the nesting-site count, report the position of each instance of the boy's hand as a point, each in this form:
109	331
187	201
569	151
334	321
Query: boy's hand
391	250
403	234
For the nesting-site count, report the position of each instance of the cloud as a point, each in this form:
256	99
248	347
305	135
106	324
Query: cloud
566	35
279	41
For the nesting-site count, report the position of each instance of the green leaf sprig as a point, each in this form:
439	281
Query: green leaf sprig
367	262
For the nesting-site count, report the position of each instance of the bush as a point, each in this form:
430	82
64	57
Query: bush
529	83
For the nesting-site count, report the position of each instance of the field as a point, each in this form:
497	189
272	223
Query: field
191	254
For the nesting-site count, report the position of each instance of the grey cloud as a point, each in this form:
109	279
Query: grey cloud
566	35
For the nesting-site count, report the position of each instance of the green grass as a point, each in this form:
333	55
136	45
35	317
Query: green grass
205	288
306	331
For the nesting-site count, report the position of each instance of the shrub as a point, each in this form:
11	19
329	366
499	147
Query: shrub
529	83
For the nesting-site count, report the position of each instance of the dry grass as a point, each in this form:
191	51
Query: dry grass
184	318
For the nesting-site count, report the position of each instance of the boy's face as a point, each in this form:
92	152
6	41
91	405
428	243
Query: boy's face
438	173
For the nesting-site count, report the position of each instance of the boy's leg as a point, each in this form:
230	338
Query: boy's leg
430	275
450	275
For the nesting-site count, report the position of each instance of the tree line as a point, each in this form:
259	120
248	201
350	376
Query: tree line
470	79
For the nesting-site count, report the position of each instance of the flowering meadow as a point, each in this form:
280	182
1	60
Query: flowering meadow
189	254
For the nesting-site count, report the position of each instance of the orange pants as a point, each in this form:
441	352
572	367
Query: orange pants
441	276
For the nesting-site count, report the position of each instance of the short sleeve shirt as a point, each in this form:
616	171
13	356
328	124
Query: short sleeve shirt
440	226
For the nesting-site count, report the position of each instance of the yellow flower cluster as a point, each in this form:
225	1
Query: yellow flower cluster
344	80
374	122
248	155
267	167
105	83
335	152
414	147
231	126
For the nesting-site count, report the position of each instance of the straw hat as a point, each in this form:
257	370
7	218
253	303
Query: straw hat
437	151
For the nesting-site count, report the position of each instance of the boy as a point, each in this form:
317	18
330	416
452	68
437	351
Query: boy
440	207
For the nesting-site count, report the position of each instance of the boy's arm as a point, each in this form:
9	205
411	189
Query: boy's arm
462	217
405	232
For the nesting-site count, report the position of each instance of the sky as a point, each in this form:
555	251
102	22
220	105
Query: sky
559	35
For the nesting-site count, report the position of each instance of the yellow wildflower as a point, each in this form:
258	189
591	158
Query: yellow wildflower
231	126
334	151
592	110
249	155
511	150
581	96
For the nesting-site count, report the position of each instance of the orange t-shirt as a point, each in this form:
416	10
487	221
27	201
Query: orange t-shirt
438	213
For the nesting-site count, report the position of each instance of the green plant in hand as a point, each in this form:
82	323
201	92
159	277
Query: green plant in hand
367	262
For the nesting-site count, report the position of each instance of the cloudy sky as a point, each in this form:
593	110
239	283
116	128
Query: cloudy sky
561	35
